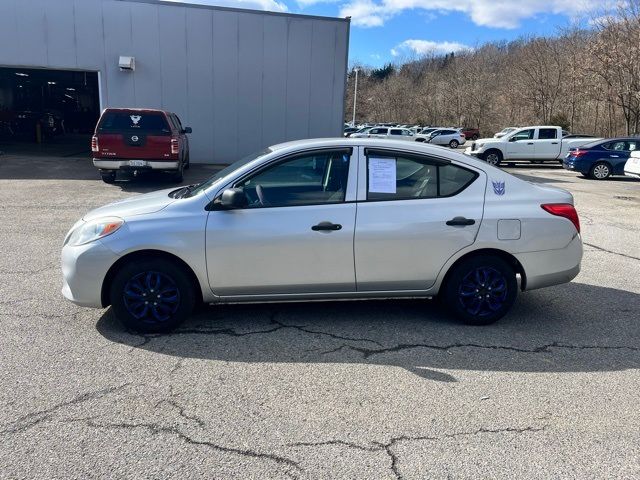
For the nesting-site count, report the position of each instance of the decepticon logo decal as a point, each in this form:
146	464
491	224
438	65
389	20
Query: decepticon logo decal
498	188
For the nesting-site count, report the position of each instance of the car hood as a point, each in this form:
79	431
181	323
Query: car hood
489	140
137	205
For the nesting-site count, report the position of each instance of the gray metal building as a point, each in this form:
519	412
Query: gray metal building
241	79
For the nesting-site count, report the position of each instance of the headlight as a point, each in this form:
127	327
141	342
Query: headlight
93	230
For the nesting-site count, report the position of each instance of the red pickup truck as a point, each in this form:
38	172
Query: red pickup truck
471	133
138	140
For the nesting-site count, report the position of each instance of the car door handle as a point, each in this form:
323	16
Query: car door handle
460	221
614	156
554	143
529	143
326	227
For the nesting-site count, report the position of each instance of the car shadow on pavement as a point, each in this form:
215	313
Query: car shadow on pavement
570	328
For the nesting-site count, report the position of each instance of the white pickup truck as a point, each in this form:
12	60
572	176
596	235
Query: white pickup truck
536	144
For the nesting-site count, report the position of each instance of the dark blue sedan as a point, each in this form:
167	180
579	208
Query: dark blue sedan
602	158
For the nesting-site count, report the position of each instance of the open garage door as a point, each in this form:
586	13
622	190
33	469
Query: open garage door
47	112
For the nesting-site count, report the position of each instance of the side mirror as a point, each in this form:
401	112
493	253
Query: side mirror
187	130
233	198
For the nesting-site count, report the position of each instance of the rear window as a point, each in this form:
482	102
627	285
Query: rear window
134	121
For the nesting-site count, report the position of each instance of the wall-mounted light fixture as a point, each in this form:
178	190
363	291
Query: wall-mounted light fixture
127	64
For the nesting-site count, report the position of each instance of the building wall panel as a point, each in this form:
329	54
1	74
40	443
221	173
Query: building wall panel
242	79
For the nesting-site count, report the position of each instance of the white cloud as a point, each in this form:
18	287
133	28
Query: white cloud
488	13
425	47
269	5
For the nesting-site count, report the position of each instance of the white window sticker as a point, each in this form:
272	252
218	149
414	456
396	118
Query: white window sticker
382	175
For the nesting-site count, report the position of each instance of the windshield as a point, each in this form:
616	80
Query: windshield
227	170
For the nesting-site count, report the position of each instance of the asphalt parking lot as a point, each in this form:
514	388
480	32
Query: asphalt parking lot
367	390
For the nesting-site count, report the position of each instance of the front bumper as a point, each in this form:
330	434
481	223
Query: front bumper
84	268
552	267
470	151
106	164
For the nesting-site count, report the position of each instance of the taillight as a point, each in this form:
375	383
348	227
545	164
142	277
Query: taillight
175	146
578	152
94	144
565	210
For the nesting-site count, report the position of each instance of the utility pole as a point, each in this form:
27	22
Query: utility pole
355	97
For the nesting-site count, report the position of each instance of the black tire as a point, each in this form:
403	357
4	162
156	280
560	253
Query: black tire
600	171
187	162
475	137
454	144
421	140
493	157
108	177
493	300
151	319
178	175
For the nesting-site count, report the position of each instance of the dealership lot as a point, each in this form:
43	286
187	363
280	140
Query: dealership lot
326	390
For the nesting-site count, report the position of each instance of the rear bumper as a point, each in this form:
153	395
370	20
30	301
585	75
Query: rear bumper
107	164
552	267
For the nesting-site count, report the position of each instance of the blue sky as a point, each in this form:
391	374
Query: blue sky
391	30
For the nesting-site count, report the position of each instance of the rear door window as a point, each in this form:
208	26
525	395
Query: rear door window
143	122
547	134
391	177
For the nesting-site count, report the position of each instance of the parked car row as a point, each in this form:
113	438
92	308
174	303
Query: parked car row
444	136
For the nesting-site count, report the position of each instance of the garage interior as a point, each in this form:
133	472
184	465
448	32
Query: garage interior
47	112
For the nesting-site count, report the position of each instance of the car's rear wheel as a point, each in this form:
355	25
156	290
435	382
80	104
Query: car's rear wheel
152	296
480	290
600	171
108	177
187	162
475	137
493	157
454	144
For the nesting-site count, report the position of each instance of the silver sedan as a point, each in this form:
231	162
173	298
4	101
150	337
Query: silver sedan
326	219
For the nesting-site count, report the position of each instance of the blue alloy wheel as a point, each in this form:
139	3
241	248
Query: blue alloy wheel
151	297
483	291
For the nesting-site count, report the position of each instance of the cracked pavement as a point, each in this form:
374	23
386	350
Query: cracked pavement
353	390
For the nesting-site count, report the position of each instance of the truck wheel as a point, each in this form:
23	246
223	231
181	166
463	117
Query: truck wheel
178	175
493	157
475	137
108	177
187	162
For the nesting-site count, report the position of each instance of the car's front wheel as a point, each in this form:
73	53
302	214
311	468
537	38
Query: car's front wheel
152	295
493	157
480	290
